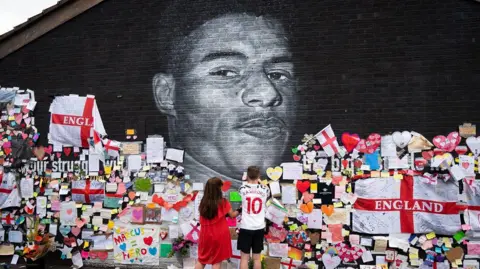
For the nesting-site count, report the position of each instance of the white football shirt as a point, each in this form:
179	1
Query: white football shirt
254	198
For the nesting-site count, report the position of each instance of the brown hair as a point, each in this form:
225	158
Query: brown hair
253	172
212	198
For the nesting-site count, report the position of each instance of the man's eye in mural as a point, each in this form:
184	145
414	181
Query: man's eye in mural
224	73
279	75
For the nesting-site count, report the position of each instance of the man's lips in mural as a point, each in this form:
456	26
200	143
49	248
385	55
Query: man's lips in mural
261	127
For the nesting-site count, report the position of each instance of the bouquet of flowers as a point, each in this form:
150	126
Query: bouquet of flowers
181	246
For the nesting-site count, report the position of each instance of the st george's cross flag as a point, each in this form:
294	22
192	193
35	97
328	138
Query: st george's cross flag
472	214
72	120
328	141
409	205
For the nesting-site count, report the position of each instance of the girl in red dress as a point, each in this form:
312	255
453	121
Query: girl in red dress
214	245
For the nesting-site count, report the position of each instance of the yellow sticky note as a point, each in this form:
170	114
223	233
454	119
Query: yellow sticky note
108	170
308	255
49	205
413	256
84	208
349	188
111	224
447	242
187	186
304	227
130	203
458	261
345	232
313	187
375	174
86	244
385	174
1	153
338	204
95	228
398	176
114	211
35	194
11	118
130	132
169	177
293	227
146	168
431	235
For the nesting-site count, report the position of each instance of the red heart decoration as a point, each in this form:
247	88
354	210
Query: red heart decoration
316	147
358	163
178	205
158	200
345	163
7	151
348	254
448	143
148	240
465	165
75	154
350	141
461	150
427	155
296	158
59	154
307	197
226	185
163	234
48	149
303	186
67	151
370	145
102	255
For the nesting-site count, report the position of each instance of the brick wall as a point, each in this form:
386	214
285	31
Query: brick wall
363	66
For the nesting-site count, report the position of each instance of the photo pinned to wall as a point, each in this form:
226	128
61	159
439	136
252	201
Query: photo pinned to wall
153	215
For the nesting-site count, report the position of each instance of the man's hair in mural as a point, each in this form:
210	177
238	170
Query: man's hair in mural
182	17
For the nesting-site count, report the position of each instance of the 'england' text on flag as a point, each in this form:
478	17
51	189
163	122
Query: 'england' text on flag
410	205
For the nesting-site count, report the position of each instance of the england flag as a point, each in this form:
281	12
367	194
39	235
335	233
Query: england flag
72	120
328	141
410	205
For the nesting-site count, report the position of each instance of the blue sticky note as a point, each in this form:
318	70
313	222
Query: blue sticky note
112	202
438	250
373	160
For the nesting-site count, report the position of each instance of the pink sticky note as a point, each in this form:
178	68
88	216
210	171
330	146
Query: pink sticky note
473	248
466	227
339	190
336	230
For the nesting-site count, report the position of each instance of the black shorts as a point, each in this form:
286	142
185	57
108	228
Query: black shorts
250	240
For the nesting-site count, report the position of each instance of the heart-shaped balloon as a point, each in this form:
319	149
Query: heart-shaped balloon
474	144
401	139
307	197
448	143
350	141
370	144
274	173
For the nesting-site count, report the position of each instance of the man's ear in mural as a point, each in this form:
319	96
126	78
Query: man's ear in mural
164	93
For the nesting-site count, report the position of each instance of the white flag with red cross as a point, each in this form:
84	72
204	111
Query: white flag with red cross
112	147
9	196
410	205
72	120
472	214
328	141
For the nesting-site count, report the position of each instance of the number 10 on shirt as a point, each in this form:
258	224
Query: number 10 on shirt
254	206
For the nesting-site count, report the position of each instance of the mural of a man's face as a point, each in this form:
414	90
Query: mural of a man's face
231	101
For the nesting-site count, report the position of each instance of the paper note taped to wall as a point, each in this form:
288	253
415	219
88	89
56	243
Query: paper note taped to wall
175	155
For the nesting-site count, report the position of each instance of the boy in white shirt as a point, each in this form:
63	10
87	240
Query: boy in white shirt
252	226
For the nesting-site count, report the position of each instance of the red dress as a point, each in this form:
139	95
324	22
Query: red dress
215	244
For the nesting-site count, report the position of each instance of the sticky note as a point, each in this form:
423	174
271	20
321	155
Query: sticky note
235	196
108	170
459	236
86	244
385	174
313	187
431	235
398	176
338	204
293	227
375	174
